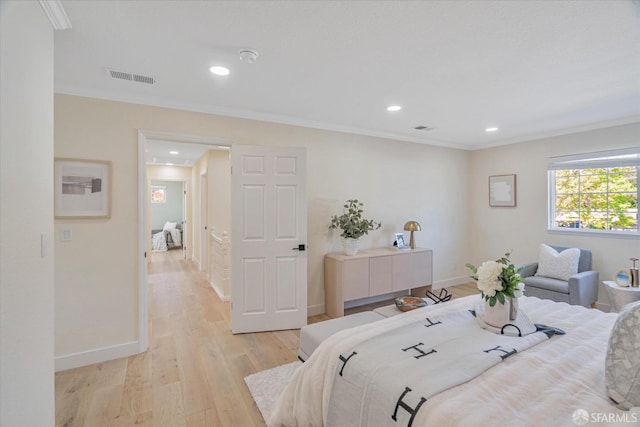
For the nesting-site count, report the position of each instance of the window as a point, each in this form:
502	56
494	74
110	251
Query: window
595	192
158	194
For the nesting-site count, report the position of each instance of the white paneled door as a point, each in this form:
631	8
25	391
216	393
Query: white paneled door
268	238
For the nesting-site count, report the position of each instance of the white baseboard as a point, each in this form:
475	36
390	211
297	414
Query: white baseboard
451	282
76	360
219	292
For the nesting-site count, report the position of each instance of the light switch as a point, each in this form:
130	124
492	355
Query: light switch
66	236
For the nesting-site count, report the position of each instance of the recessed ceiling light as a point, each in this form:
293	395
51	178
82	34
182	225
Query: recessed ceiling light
219	71
394	108
491	129
173	152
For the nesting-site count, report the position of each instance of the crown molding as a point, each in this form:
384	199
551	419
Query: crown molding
244	114
563	131
292	121
56	14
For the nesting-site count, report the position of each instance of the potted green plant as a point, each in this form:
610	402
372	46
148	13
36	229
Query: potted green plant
353	225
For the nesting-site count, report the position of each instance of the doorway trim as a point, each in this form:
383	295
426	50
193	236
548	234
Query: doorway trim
143	288
203	224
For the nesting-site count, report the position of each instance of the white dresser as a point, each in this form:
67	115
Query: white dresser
373	272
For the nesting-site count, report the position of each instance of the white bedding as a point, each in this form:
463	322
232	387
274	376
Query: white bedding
159	240
544	385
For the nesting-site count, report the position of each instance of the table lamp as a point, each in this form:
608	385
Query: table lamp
412	226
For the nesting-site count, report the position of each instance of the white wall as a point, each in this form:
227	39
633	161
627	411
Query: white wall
521	229
26	213
397	182
96	303
96	274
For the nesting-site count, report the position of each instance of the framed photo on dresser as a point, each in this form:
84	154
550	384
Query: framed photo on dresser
400	241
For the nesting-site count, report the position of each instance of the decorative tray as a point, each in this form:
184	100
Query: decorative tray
409	303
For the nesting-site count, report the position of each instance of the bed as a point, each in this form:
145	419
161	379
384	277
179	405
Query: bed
551	383
169	237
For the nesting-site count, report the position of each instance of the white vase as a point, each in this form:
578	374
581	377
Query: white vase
513	309
350	246
501	314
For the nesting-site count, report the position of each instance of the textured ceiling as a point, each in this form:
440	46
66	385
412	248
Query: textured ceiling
531	68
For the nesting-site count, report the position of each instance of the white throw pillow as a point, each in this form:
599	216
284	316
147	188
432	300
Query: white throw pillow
622	365
168	226
556	265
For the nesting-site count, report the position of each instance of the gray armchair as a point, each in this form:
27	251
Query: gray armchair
581	289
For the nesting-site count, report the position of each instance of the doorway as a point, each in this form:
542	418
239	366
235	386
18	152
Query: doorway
169	216
180	144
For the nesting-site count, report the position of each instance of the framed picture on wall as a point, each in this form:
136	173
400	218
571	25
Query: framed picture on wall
158	194
82	188
502	190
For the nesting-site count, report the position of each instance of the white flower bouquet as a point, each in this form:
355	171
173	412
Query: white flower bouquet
498	280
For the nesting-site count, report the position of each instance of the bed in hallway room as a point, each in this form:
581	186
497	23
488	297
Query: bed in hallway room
355	377
169	237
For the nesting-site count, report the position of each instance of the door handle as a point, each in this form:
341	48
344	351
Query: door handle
300	248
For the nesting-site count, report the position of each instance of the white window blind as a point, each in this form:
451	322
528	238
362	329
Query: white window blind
601	159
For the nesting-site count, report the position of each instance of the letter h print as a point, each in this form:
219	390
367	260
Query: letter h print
402	404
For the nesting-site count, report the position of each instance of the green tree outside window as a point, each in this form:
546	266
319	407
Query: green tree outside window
597	198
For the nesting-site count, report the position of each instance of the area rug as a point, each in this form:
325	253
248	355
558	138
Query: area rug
266	386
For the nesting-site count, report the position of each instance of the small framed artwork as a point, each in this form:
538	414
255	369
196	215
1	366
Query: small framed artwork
400	241
158	194
502	190
622	278
82	188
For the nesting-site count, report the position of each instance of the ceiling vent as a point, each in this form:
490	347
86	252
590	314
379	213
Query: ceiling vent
424	128
132	77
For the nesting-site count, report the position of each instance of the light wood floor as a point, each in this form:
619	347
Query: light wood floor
193	373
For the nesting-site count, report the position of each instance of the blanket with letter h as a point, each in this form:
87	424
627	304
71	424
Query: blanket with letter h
385	380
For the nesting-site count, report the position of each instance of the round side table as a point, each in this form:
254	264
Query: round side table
620	296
